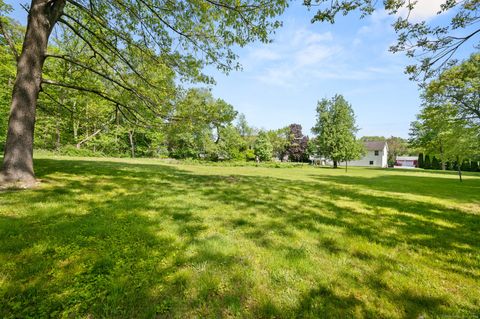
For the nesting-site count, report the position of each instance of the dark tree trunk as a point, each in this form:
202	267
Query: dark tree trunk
459	173
335	164
18	156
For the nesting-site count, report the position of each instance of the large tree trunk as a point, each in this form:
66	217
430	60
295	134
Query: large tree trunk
18	158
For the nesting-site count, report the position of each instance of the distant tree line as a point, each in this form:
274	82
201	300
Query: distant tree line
447	129
432	162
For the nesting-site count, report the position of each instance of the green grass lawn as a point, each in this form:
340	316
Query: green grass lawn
105	238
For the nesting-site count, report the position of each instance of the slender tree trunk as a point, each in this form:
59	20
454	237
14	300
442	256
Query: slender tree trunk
74	121
335	164
57	123
18	156
57	132
346	166
460	173
444	166
132	143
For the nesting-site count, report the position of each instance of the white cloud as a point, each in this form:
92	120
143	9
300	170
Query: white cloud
264	54
314	54
301	58
423	10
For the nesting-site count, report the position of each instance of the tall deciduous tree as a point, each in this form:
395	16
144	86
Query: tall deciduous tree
459	86
262	147
396	146
184	35
438	132
336	130
297	143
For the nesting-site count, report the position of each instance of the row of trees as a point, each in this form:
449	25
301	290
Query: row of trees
434	163
199	126
118	43
448	126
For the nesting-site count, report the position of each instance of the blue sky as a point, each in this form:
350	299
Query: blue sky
281	82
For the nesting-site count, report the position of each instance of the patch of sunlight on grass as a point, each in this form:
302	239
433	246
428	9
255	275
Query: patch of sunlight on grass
147	238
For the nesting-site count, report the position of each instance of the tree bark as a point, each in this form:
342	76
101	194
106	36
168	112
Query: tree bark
335	164
18	156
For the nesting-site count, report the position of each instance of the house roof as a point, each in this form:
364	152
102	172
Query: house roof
375	146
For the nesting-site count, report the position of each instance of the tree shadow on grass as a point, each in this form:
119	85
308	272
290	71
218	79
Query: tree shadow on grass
437	187
110	239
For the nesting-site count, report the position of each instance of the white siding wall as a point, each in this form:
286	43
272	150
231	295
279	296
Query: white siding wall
379	160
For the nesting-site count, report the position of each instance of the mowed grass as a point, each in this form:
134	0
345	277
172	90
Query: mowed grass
105	238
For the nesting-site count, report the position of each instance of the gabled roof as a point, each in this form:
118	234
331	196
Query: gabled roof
374	146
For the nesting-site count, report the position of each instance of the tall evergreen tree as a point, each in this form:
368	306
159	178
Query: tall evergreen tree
421	163
466	166
435	163
475	167
427	164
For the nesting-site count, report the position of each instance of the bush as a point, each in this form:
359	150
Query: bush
70	150
249	155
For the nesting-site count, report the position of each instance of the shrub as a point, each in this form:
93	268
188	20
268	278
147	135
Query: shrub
70	150
249	155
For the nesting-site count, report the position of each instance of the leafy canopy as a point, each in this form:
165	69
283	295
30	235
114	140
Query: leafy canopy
336	130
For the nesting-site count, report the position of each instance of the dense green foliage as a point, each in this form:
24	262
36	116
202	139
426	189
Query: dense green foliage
459	86
447	126
141	239
336	130
7	68
262	147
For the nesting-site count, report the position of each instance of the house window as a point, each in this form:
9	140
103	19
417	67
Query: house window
376	153
371	162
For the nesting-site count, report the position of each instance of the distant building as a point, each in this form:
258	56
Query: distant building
406	162
376	155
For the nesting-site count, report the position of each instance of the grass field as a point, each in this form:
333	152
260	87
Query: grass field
104	238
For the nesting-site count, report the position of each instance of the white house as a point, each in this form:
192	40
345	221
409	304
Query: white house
376	155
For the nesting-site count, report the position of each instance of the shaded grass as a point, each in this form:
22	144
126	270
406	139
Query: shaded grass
141	239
